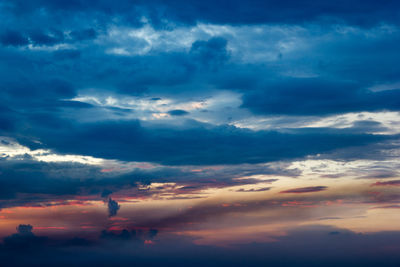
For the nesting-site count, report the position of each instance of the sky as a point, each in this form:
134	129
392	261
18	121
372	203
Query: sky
199	133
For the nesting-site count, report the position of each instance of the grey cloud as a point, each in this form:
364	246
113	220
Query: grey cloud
113	207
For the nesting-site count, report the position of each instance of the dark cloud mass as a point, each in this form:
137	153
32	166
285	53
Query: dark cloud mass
113	207
251	12
315	96
177	112
24	239
24	229
13	38
319	243
198	145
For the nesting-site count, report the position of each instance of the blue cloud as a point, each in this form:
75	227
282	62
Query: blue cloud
177	112
239	12
200	144
13	38
311	96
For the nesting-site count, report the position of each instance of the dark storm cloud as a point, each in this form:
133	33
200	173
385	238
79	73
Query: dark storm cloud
200	144
287	11
356	12
311	96
301	190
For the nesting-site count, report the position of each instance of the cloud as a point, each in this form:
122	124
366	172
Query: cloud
106	193
312	245
196	144
251	12
211	53
27	182
85	34
309	189
25	229
43	38
13	38
123	235
387	183
24	239
38	37
387	207
313	96
254	190
178	112
127	235
113	207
